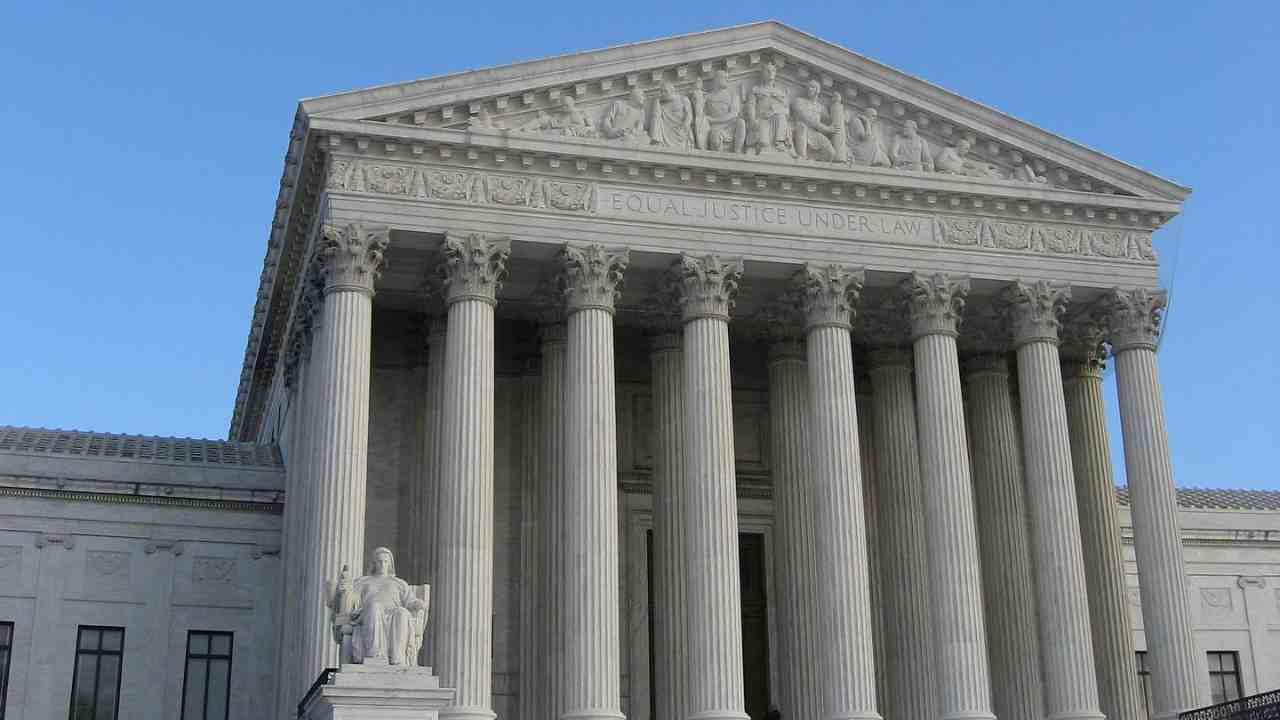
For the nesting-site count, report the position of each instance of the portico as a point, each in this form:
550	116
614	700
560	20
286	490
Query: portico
628	337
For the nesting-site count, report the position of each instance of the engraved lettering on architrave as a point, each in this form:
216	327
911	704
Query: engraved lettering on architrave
768	216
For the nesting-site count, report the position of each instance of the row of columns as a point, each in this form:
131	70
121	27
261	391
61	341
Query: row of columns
932	575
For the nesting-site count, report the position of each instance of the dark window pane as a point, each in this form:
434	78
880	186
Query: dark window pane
5	634
112	640
193	703
198	644
89	639
221	644
82	695
1215	661
219	684
1228	661
108	684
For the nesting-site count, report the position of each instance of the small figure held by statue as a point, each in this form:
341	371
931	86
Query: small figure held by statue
378	619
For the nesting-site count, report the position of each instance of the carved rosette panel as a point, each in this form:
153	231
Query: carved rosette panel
1045	238
828	294
592	275
213	572
707	284
1035	310
474	267
106	570
1133	317
351	256
935	302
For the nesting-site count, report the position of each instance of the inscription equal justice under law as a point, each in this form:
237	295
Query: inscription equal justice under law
781	217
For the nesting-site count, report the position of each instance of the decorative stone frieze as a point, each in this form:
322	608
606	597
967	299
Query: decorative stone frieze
1035	310
592	276
1045	238
474	267
935	302
351	256
707	285
828	294
1134	317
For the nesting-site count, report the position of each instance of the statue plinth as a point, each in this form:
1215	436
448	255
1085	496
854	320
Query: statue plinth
379	692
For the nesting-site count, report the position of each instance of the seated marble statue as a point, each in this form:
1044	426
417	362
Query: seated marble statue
769	115
868	146
569	121
721	125
811	134
624	120
378	619
910	151
953	160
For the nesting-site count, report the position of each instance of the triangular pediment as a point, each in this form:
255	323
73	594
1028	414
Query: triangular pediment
861	112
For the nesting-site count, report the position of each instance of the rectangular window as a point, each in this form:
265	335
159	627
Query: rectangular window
6	650
1144	683
206	687
1224	677
95	684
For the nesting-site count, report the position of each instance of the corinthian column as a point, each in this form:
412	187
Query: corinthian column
849	681
1008	581
533	665
670	636
955	574
714	604
351	260
592	278
432	456
473	268
1100	529
904	553
1178	676
796	566
552	543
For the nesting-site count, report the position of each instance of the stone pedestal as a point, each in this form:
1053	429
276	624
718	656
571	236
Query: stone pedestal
379	692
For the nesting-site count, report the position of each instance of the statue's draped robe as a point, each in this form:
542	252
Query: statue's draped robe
911	154
385	625
771	129
810	141
723	104
673	123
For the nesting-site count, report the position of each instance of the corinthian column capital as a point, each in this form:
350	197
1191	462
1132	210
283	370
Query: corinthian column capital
592	276
707	285
935	303
474	267
828	294
1083	352
1134	317
1035	310
351	257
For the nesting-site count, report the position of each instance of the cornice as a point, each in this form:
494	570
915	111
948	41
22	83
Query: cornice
111	498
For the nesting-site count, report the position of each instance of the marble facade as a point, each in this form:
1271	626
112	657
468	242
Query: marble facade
523	324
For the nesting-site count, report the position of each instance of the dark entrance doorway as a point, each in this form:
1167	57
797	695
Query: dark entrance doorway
755	624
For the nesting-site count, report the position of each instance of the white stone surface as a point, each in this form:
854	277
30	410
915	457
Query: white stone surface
1009	583
362	692
553	340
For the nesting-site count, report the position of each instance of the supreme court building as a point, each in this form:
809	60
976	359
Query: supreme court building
695	376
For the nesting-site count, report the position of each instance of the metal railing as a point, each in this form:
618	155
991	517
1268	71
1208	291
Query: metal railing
324	678
1263	706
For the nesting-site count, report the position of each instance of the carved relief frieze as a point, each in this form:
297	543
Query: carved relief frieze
1046	238
106	570
213	572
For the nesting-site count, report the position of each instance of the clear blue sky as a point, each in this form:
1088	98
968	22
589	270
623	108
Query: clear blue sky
145	141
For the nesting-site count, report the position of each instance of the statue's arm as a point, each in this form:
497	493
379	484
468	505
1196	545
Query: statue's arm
928	156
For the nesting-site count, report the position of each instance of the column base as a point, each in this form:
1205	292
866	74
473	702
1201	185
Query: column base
857	716
719	715
592	715
380	692
459	712
1081	715
977	715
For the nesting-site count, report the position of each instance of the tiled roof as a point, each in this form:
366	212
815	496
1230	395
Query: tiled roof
137	447
1219	499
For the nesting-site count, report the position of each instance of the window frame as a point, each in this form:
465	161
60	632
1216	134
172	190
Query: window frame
1219	677
6	662
1140	660
97	671
207	657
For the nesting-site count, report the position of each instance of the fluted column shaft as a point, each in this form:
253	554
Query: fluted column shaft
592	275
474	266
552	542
904	551
1008	579
1100	539
828	293
427	530
870	509
1179	677
670	635
315	635
351	259
714	605
955	575
1066	641
533	663
796	567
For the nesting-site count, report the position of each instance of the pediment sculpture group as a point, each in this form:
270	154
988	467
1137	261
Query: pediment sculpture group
764	120
378	619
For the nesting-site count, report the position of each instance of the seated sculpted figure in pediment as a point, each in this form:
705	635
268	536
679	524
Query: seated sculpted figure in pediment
569	121
720	124
624	120
671	123
378	619
954	160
